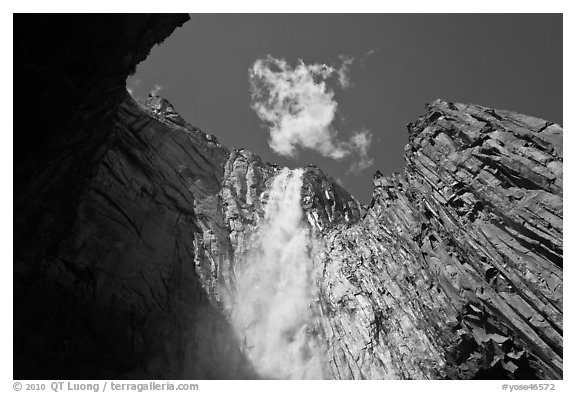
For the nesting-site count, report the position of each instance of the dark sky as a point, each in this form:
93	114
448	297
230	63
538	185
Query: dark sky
502	61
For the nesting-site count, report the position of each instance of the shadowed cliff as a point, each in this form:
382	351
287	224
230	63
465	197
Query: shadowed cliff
105	284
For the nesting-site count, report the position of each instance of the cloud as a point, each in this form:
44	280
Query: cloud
299	107
344	71
361	141
366	55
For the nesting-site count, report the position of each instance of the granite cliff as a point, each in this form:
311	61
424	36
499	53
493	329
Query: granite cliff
455	269
134	231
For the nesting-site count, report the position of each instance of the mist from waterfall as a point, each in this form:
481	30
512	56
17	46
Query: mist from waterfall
273	307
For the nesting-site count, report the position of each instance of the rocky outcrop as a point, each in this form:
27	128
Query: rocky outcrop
131	226
455	270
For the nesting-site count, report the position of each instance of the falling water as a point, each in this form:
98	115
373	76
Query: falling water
273	304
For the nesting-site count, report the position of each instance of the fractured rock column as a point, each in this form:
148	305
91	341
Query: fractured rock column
455	271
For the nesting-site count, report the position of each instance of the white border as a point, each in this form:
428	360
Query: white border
356	6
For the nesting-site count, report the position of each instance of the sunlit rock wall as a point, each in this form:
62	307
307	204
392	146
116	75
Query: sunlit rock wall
455	270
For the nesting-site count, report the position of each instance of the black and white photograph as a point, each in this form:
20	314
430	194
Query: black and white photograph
287	196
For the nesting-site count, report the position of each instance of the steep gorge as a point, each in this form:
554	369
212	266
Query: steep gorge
146	249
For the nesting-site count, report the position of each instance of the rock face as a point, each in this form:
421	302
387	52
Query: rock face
455	269
131	226
110	200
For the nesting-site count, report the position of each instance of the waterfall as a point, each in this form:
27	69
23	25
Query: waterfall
272	312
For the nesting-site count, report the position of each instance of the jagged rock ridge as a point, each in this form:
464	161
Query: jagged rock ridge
454	270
